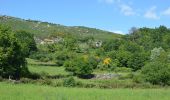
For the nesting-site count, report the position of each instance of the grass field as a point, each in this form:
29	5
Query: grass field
45	67
35	92
51	70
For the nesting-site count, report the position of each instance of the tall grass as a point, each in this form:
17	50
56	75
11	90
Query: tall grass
35	92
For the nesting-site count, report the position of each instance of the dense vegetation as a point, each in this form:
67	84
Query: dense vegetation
143	54
12	59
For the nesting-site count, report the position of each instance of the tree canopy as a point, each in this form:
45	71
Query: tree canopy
12	59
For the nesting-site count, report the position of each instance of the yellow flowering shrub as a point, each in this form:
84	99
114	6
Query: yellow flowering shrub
107	61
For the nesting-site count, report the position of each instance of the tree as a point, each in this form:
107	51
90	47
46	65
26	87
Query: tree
111	45
137	61
133	34
158	70
80	67
70	43
61	57
156	73
12	59
156	53
27	42
123	57
133	30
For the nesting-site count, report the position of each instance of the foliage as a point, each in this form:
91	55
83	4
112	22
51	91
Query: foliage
108	64
69	82
26	41
137	61
123	57
12	59
79	66
155	53
156	73
112	45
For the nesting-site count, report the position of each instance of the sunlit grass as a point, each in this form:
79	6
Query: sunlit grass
50	70
35	92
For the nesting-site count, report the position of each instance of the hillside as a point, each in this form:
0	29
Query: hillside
43	29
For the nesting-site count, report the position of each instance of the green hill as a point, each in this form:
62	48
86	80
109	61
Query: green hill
44	29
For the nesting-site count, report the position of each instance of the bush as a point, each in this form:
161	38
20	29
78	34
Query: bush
42	56
25	80
34	76
1	79
69	82
137	78
80	67
156	73
61	57
44	59
128	76
108	64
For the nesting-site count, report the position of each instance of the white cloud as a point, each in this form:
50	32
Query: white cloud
166	12
124	8
127	10
151	13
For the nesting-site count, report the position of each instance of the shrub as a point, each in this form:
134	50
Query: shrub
80	67
47	82
61	57
108	64
83	68
1	79
69	82
137	78
25	80
34	76
156	73
128	76
44	59
93	61
42	56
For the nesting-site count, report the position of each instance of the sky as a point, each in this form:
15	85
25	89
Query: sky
111	15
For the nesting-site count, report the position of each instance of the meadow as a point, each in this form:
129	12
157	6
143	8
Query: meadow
37	92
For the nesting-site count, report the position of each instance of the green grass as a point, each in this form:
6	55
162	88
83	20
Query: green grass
35	92
51	70
41	29
36	62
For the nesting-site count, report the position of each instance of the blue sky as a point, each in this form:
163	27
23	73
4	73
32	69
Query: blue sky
112	15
